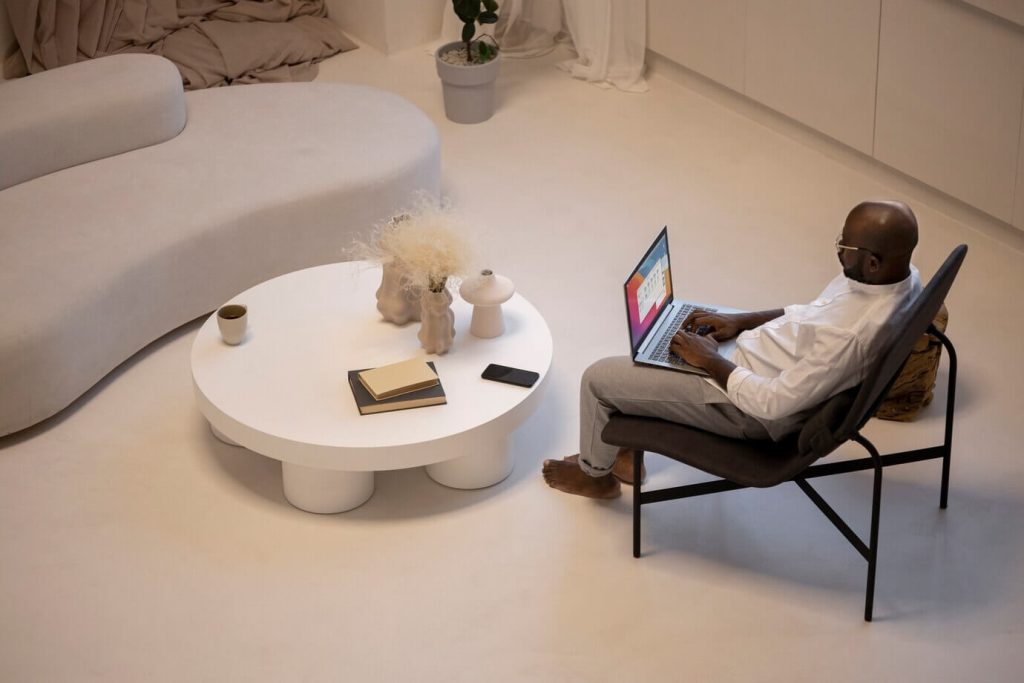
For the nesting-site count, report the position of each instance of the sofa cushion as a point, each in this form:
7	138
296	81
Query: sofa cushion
86	111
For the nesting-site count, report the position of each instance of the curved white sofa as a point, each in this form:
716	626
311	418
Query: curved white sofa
128	208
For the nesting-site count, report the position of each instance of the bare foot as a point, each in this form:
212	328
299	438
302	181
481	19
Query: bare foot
568	477
622	469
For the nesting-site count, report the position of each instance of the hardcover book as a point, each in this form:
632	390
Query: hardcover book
398	378
368	405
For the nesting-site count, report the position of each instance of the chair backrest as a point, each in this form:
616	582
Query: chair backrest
844	414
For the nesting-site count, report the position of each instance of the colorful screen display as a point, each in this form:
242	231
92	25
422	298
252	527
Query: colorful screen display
648	290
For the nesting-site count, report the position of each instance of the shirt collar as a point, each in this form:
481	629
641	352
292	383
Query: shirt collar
894	288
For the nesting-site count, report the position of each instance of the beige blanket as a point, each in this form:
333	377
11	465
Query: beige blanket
213	42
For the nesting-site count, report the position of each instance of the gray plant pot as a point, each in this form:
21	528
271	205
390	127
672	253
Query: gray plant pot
468	89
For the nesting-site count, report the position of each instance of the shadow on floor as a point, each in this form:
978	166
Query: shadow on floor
931	562
399	494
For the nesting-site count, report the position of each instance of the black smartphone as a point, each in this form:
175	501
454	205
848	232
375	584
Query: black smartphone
503	373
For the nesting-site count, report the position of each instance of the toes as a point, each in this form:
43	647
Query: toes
550	471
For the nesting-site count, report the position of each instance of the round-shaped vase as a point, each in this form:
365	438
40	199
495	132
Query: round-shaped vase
487	292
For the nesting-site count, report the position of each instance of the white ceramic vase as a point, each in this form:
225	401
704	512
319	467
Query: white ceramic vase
487	292
397	302
437	321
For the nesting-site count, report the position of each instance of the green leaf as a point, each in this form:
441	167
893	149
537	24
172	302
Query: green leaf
467	32
468	10
491	5
488	18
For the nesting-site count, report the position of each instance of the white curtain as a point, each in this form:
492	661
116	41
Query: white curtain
609	36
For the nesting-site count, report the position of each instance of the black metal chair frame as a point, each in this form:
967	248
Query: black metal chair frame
838	419
875	461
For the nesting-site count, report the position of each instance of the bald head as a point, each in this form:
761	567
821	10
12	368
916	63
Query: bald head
886	233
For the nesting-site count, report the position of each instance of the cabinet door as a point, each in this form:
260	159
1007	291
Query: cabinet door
701	35
1018	211
949	100
815	61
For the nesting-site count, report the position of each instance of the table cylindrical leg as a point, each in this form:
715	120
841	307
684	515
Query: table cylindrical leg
221	436
485	465
325	491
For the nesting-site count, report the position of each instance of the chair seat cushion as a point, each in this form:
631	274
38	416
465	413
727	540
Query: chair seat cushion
747	462
759	463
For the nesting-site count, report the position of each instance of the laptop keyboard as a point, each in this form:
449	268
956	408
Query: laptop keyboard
661	352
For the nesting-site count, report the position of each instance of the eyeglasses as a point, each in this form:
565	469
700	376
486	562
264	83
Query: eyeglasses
840	246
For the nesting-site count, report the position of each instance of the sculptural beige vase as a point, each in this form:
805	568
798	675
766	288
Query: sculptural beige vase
437	321
397	302
487	292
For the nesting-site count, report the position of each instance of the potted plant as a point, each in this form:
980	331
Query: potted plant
468	68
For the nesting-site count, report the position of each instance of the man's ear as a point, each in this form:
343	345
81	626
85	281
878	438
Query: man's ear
874	265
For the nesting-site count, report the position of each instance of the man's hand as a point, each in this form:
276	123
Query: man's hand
702	352
695	349
720	326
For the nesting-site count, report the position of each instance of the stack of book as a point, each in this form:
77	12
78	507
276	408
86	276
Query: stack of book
399	386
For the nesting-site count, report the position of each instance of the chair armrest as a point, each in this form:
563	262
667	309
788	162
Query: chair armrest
87	111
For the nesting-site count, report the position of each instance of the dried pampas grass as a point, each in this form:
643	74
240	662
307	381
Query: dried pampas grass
430	241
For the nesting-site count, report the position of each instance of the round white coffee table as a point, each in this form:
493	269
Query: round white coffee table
284	393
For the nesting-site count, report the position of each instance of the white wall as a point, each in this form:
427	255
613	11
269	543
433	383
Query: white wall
362	19
815	61
949	100
708	37
389	25
932	88
413	22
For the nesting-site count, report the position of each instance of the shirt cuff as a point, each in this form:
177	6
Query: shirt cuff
732	385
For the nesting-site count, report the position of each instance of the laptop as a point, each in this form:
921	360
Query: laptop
654	314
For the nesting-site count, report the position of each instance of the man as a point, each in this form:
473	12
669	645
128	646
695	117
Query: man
787	361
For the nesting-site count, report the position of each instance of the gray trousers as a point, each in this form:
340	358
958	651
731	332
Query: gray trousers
618	385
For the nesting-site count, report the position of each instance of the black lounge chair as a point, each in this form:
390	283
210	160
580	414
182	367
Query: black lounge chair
748	463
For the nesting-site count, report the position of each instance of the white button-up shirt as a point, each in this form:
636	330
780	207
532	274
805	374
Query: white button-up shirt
816	350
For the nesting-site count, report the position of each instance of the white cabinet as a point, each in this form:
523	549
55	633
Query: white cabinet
706	37
815	61
1018	211
949	100
933	88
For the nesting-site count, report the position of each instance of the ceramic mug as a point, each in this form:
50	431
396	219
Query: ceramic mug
231	320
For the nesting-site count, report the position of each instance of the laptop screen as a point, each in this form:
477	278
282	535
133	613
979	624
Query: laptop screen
648	290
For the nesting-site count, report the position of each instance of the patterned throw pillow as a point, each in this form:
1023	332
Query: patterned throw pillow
913	388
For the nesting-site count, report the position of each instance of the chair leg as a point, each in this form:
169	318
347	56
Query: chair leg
638	464
950	403
944	494
876	504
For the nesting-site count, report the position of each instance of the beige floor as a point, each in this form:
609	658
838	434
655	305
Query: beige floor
133	546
